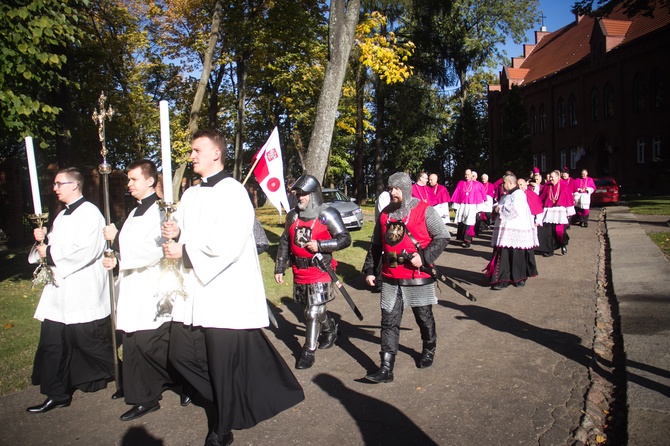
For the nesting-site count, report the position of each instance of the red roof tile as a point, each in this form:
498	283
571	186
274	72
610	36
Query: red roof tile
567	46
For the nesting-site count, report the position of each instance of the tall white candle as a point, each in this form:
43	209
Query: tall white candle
165	152
32	170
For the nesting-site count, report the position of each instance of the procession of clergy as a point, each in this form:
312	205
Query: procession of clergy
195	325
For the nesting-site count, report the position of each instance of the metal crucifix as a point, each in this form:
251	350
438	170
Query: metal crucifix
99	117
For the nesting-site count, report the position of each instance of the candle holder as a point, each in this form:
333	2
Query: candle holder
43	273
171	281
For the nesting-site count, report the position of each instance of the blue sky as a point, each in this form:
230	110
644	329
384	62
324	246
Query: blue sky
557	15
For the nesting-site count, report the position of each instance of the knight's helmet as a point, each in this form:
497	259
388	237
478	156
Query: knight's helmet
309	184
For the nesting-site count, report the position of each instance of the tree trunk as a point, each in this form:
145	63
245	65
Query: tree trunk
343	21
359	191
379	138
241	108
200	92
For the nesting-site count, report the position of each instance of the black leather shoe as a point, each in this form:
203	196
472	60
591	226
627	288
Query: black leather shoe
329	339
547	254
500	286
118	395
138	411
521	283
564	250
427	356
306	360
214	439
184	399
586	224
49	404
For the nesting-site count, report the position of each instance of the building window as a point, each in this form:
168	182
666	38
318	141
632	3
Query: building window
543	119
533	123
543	162
534	160
572	110
594	104
609	100
638	92
656	88
564	158
560	111
573	158
640	150
656	148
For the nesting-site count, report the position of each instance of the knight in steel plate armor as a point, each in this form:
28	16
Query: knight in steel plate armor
312	227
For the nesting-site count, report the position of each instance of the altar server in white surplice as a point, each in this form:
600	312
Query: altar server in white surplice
146	333
216	339
74	350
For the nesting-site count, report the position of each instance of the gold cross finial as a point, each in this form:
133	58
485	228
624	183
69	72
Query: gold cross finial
99	117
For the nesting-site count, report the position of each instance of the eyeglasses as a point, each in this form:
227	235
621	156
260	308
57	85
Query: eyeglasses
58	184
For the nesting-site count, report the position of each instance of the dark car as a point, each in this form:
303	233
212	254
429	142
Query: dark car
607	191
351	213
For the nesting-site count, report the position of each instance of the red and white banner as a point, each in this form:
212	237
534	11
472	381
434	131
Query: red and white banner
269	172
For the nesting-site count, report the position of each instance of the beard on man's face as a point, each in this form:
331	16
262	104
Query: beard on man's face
302	205
394	206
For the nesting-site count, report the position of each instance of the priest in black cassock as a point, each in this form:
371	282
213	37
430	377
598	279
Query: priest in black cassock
75	349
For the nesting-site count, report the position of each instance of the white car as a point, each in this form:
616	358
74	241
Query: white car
351	213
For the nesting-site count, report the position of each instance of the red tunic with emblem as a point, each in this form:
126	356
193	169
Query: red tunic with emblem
395	239
300	233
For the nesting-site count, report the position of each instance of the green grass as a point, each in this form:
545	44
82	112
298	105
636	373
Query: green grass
18	330
662	240
659	205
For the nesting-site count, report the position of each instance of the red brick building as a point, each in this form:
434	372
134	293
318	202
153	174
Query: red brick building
596	94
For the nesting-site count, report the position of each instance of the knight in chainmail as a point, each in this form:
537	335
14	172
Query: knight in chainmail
409	235
312	227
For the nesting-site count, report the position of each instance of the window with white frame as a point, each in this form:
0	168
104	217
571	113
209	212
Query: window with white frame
573	158
533	121
640	150
657	88
609	100
594	104
564	159
656	148
572	110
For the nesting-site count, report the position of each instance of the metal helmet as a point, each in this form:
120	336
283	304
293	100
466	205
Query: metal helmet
309	184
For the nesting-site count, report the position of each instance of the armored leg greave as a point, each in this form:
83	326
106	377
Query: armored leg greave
315	316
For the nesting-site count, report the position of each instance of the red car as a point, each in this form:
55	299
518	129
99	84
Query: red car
607	191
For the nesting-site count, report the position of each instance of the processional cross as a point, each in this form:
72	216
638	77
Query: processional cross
99	117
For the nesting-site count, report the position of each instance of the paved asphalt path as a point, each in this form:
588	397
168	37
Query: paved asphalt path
511	368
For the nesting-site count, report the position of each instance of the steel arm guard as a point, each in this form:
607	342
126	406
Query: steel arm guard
341	238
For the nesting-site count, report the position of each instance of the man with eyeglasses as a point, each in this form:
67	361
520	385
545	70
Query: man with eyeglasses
74	349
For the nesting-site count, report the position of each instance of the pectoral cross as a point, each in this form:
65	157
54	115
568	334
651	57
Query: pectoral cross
99	117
